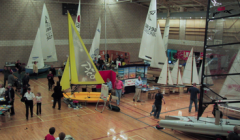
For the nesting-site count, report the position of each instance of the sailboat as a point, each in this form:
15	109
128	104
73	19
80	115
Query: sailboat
149	33
208	80
176	75
165	77
190	72
79	69
230	90
211	126
44	47
94	51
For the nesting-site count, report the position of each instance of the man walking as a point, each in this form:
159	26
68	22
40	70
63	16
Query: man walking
118	89
193	97
138	89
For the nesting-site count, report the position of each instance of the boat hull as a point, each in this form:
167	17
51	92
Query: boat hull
41	70
204	126
89	97
232	113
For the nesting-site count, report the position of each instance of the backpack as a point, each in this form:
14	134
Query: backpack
114	108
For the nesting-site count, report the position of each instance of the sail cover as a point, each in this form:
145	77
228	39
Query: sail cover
82	68
94	50
217	47
36	53
149	33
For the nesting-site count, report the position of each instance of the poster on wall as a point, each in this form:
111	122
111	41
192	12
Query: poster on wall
144	81
121	73
131	72
146	69
140	71
126	73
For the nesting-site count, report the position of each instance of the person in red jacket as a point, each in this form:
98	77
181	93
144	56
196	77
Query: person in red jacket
50	135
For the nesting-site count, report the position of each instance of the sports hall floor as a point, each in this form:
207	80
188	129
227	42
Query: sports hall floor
133	122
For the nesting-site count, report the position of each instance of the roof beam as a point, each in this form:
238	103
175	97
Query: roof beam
205	5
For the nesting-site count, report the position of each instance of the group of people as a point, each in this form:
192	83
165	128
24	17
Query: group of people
50	136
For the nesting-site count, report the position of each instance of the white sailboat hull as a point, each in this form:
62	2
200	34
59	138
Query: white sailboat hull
204	126
230	112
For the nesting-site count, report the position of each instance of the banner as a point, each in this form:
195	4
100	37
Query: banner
121	73
132	72
104	92
130	82
183	55
125	73
140	71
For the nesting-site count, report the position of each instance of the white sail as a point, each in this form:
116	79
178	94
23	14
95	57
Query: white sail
78	19
36	53
207	80
170	81
195	78
175	72
163	75
94	51
166	31
149	33
47	39
187	74
180	82
231	86
159	54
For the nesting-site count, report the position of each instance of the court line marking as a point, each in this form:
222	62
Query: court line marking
44	121
137	136
39	85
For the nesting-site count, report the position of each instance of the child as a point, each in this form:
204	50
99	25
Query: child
50	136
39	102
153	109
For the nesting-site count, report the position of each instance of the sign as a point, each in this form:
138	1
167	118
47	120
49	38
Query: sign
140	72
104	92
121	73
132	72
130	82
125	73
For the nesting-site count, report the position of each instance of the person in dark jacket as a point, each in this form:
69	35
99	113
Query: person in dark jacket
234	135
57	95
52	69
50	80
158	103
19	69
10	98
25	81
101	63
6	73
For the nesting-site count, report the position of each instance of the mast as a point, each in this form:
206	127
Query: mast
105	31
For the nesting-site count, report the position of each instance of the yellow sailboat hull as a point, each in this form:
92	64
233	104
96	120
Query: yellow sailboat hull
89	97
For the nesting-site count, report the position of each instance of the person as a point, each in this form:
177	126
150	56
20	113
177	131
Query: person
158	103
6	73
2	91
138	88
35	70
11	98
24	83
61	136
60	73
109	84
104	68
52	69
39	103
57	95
19	69
29	102
50	135
101	63
95	60
27	78
118	89
50	80
193	91
234	135
11	79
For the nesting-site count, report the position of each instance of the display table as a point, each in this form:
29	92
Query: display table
149	91
4	112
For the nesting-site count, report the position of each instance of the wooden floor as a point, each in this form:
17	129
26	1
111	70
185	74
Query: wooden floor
133	122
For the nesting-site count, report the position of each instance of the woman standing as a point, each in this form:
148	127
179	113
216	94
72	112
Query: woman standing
57	95
29	97
35	70
50	80
109	84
